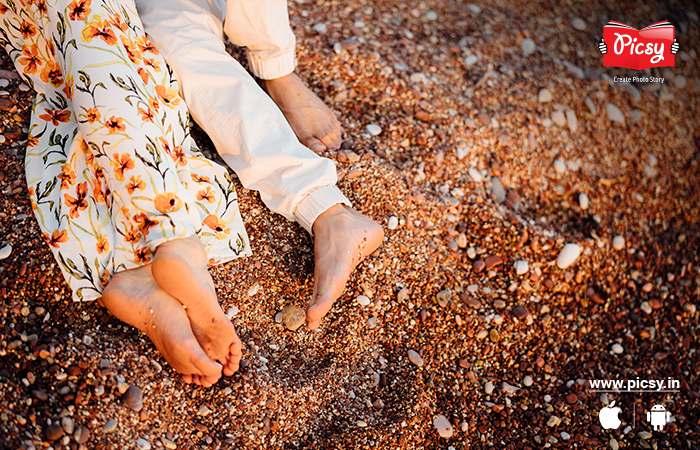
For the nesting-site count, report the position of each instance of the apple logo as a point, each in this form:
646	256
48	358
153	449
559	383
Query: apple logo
608	417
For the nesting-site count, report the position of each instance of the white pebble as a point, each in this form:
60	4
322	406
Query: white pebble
24	88
443	426
361	423
320	28
431	15
521	267
527	381
392	223
613	444
615	115
497	319
471	252
553	421
583	201
374	130
679	81
415	358
465	427
617	349
5	251
476	9
509	388
143	444
571	121
488	387
475	175
646	307
363	300
558	118
565	436
559	166
545	96
471	60
568	255
618	242
253	290
4	83
528	46
418	77
232	312
578	23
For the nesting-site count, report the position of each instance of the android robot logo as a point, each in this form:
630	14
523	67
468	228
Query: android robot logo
658	417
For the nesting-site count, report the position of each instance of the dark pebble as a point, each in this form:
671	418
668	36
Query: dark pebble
133	398
40	395
492	261
82	434
54	431
479	265
520	312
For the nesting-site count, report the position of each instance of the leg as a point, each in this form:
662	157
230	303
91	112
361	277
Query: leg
134	297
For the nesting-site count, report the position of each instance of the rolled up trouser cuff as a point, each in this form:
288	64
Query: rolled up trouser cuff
273	67
316	203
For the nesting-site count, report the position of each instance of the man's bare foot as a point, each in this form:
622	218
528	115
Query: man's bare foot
342	238
180	268
312	121
134	297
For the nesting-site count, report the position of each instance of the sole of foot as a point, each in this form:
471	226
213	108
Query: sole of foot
134	297
180	268
343	237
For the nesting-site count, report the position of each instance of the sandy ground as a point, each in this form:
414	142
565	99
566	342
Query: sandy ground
478	175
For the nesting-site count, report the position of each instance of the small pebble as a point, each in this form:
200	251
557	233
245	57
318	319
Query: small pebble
565	436
568	255
443	297
559	166
68	425
583	201
431	15
545	96
509	388
5	251
559	119
520	312
110	426
204	410
167	443
143	444
571	121
578	23
618	242
644	434
133	398
81	435
527	381
521	267
471	252
465	427
475	175
54	432
415	358
488	387
528	46
553	421
320	28
471	60
232	312
443	426
418	77
680	82
293	317
402	295
374	130
617	349
615	115
361	423
497	190
253	290
614	444
363	300
481	334
494	336
393	222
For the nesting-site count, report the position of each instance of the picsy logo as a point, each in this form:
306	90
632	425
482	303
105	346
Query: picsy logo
653	46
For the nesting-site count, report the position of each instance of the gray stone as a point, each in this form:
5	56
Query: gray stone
133	398
293	317
497	190
559	119
568	255
415	358
528	46
143	444
374	129
578	23
545	96
615	115
443	426
110	426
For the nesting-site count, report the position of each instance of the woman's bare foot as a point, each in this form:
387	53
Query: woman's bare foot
342	238
180	268
134	297
312	121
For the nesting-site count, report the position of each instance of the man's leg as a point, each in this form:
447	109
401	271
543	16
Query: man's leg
253	137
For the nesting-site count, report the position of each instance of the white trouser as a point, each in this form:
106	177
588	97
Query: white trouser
249	131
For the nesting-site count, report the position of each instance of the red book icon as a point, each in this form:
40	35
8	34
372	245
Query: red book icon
639	49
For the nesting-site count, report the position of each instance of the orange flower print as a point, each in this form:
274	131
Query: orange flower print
92	115
68	87
102	244
3	9
79	203
30	59
217	225
55	116
199	179
165	145
27	29
41	6
146	114
153	103
143	74
32	141
126	213
168	96
115	124
179	156
131	51
97	193
121	165
52	74
167	202
99	29
144	222
132	236
142	255
56	238
67	176
104	279
79	9
206	194
117	22
152	63
135	183
146	46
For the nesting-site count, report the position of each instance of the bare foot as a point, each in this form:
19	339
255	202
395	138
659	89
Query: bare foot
134	297
342	238
180	268
312	121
